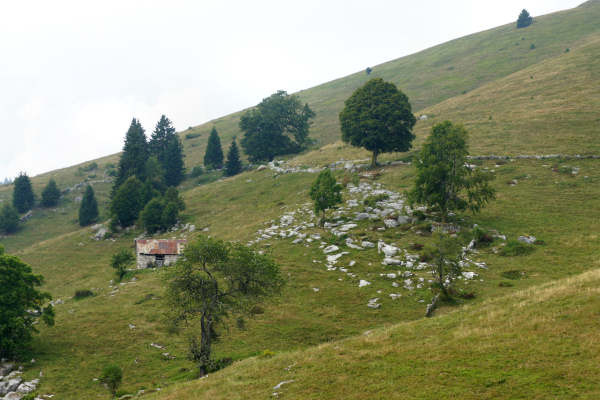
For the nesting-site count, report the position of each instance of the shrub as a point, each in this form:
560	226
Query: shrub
82	294
192	135
481	237
371	201
516	248
267	354
506	284
112	375
512	274
196	171
532	47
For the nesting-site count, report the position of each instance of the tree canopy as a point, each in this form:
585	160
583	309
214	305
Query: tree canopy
214	279
524	19
21	304
9	219
379	118
88	209
325	192
50	194
23	197
213	156
278	125
134	156
166	146
128	202
233	165
445	181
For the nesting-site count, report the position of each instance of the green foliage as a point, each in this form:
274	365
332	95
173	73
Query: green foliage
444	180
325	192
120	261
50	194
165	145
161	213
9	219
23	197
524	19
516	248
379	118
112	376
21	304
512	274
197	171
82	294
88	209
278	125
212	280
127	202
371	201
152	216
445	254
192	135
481	237
134	156
233	165
213	157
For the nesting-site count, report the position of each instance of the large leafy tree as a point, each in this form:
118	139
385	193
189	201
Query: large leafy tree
233	165
213	157
21	304
134	156
128	202
9	219
88	209
50	194
212	280
445	181
379	118
325	192
278	125
166	146
23	197
524	19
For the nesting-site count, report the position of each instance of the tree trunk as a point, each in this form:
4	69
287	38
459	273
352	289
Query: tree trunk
205	344
374	159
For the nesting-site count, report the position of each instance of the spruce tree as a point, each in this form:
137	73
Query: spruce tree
233	166
134	156
50	194
524	19
159	141
213	158
23	197
127	202
173	166
9	219
88	210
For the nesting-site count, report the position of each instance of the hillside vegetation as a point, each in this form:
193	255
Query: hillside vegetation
526	327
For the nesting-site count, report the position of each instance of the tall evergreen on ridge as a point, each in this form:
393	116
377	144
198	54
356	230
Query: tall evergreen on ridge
134	156
166	146
88	210
233	165
23	197
213	158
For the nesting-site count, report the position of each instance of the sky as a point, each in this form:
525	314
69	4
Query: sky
74	73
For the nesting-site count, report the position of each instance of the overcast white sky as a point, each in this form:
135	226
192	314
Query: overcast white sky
74	73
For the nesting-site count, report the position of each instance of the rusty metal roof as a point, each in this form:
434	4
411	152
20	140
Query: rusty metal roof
159	246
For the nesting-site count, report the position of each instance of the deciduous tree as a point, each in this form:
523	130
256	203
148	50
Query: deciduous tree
325	192
379	118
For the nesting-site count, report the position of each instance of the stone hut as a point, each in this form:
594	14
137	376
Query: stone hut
158	252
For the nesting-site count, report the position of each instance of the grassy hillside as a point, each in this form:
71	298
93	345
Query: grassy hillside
537	343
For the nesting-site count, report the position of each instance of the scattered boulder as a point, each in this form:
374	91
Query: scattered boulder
527	239
363	283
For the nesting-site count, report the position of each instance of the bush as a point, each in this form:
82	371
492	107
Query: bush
371	201
481	237
516	248
120	261
112	375
192	135
9	219
196	171
512	274
82	294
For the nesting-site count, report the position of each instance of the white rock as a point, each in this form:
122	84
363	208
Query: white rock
366	244
394	296
469	275
330	249
363	283
280	384
391	261
352	263
390	223
527	239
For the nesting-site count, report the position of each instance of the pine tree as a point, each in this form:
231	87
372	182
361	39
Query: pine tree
50	194
88	210
23	197
134	156
173	165
213	158
9	219
127	202
159	141
524	19
233	166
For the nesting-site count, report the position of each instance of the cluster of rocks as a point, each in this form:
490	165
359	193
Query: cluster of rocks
281	167
12	385
82	185
389	212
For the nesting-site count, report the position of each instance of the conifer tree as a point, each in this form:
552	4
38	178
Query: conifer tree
88	210
233	166
159	140
23	197
50	194
173	166
127	202
524	19
134	156
9	219
213	158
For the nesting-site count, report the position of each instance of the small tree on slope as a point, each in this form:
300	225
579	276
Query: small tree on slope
325	193
50	194
88	210
233	165
524	19
213	157
23	197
